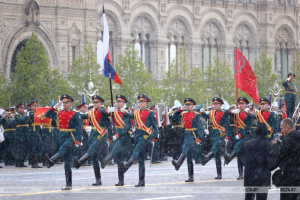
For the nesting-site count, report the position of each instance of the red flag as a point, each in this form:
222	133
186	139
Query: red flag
245	76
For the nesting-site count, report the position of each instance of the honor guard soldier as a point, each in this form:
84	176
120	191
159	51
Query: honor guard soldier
266	116
290	94
146	131
281	116
21	136
34	135
193	135
70	135
122	124
9	126
243	125
98	138
82	108
221	131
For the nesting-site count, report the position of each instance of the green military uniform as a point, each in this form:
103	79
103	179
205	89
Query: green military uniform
220	132
146	131
70	136
122	124
21	137
243	125
34	138
9	126
193	134
97	139
290	97
267	117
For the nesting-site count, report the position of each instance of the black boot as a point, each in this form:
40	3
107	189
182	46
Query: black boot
206	158
240	168
179	162
106	160
20	163
128	164
141	177
50	162
191	173
34	161
81	161
68	174
228	158
97	176
121	177
219	170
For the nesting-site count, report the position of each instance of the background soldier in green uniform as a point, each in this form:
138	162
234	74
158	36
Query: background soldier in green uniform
290	94
34	136
193	135
122	124
98	137
21	136
9	126
70	125
146	131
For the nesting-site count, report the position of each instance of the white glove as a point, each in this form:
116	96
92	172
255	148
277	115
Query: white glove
122	109
153	143
110	110
237	137
198	143
288	79
206	132
247	110
115	137
235	111
226	140
183	108
158	136
76	145
88	129
207	112
202	110
57	105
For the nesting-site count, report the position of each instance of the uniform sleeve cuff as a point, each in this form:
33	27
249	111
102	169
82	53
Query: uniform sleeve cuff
179	110
53	109
228	138
240	135
108	139
117	135
198	140
77	142
154	139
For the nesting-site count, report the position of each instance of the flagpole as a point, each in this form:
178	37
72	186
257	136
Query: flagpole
236	87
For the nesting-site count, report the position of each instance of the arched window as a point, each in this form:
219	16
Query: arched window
282	60
285	40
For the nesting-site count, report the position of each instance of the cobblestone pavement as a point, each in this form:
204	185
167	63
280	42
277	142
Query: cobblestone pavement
162	182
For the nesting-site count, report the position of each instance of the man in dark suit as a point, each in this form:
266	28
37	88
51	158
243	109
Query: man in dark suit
260	160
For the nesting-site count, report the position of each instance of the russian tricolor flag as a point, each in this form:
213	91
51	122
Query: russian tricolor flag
109	70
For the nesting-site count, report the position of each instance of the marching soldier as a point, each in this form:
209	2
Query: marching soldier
34	136
9	126
254	120
243	124
99	119
290	94
70	125
198	149
122	124
146	131
21	136
193	135
221	131
266	116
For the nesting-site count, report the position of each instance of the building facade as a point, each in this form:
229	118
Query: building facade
158	28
